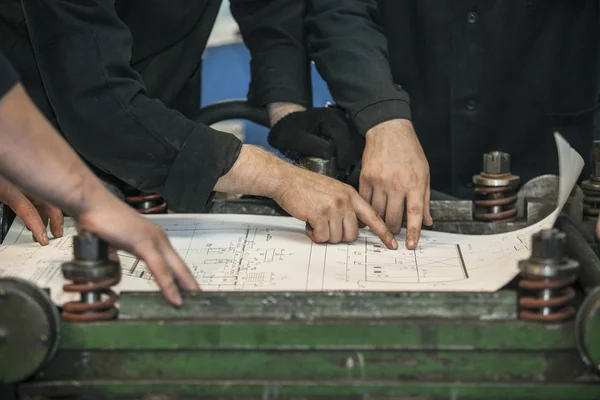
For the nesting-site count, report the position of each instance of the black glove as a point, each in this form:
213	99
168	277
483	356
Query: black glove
318	132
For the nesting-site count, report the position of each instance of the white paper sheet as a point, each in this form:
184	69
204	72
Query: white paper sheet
257	253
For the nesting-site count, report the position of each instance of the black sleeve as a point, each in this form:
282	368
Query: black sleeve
8	75
273	31
83	51
350	51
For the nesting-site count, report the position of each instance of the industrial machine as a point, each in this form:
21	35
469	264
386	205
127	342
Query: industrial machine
537	338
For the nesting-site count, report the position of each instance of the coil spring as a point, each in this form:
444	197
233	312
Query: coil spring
145	203
92	307
547	299
591	199
499	203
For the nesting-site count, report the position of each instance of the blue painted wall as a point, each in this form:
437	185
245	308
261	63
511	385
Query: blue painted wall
226	75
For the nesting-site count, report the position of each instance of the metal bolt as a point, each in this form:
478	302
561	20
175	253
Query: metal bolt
549	245
496	162
44	339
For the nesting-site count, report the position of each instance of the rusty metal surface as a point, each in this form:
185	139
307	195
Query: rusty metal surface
477	227
318	366
537	199
315	306
441	210
400	334
349	389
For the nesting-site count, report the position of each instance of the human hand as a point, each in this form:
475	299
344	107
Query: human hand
35	214
394	168
125	229
318	132
331	209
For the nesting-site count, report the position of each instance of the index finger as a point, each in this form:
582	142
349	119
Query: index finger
184	276
369	217
414	216
163	276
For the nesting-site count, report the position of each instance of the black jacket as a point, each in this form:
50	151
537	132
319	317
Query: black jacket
8	76
473	76
118	79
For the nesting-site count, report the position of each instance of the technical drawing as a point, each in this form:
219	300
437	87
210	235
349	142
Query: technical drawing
258	253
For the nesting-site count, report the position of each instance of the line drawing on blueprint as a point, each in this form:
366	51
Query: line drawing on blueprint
223	258
366	262
252	257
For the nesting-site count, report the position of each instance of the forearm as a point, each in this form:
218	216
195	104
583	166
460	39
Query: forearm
37	159
256	172
279	110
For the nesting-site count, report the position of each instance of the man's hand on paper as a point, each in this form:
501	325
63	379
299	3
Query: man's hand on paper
394	172
124	229
331	209
34	213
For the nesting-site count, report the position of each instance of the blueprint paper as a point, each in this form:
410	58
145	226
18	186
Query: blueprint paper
257	253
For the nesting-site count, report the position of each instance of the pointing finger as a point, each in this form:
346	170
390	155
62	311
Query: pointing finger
366	214
414	218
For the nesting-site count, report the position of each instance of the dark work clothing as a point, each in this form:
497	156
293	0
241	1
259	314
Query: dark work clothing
481	76
118	79
275	34
496	75
280	56
8	76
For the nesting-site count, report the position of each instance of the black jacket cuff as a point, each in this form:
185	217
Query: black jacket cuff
282	75
380	112
191	180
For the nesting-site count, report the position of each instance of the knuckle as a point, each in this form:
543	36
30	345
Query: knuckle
320	237
415	209
339	202
325	209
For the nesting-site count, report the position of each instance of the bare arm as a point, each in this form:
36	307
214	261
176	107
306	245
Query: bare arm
35	157
330	208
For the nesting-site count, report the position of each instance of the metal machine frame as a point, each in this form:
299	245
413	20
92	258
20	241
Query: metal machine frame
327	345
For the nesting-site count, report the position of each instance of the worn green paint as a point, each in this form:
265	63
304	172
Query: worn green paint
408	334
318	365
267	390
314	306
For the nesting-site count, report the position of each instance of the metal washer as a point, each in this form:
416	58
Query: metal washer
29	330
